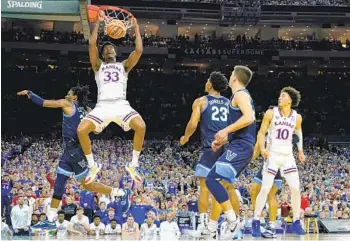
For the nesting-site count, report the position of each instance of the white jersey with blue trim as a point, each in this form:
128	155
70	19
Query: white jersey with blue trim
111	80
280	132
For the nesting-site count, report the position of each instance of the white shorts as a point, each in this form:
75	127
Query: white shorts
285	163
119	112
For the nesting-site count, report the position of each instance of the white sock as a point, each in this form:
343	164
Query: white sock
90	160
135	158
202	218
213	225
52	214
230	215
272	224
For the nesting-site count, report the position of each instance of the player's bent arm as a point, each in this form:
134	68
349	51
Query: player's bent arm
242	100
264	128
195	117
135	55
298	131
93	51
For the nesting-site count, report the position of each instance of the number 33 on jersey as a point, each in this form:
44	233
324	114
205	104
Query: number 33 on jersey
111	80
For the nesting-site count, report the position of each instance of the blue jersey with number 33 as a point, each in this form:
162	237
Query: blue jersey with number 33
213	118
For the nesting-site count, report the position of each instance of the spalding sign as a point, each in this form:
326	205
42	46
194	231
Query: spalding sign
20	4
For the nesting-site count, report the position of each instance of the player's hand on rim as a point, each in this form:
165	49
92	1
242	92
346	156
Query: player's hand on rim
102	16
24	92
134	22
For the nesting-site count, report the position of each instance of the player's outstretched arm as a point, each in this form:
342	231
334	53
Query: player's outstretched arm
242	100
134	57
298	131
194	120
263	130
62	103
93	51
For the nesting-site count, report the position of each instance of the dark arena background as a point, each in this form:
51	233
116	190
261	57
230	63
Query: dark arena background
44	48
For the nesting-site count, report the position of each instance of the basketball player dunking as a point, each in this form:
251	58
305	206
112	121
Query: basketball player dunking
72	162
280	123
211	112
111	79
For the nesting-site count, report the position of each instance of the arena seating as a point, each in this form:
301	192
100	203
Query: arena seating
180	41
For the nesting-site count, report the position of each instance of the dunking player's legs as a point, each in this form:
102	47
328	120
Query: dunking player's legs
139	126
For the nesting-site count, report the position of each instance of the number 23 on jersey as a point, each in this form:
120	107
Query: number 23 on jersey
219	113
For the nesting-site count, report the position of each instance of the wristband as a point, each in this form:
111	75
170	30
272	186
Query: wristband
36	99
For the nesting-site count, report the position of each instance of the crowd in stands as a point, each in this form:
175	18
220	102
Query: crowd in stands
274	2
181	41
169	187
342	3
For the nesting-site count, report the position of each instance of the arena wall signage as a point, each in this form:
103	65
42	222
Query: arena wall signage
229	52
40	7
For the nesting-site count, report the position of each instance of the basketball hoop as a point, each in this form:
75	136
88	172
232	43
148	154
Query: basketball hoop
111	14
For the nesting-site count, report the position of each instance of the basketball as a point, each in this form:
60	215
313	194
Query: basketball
116	29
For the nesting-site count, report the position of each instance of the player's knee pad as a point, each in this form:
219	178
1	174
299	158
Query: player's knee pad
59	187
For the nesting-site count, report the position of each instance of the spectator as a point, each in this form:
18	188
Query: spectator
42	217
34	220
130	229
80	222
63	226
193	204
5	230
69	209
305	201
285	207
169	229
21	218
6	188
113	228
148	230
102	212
97	226
111	216
87	202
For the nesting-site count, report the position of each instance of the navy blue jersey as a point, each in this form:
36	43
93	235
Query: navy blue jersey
6	188
247	133
70	124
213	118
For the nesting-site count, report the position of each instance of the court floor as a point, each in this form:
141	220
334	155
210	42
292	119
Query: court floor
308	237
